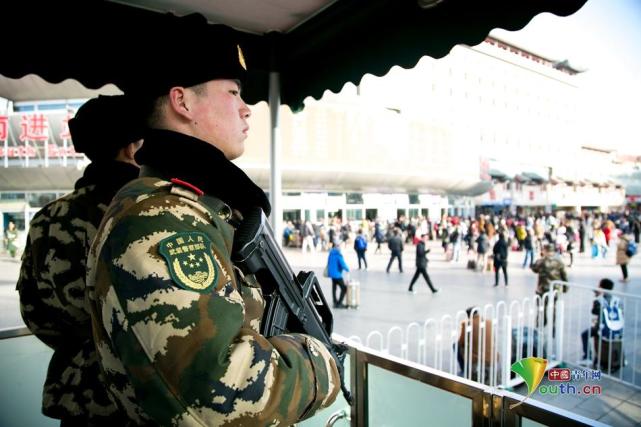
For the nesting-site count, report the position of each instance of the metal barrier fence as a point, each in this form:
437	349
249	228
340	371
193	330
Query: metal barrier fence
482	345
612	344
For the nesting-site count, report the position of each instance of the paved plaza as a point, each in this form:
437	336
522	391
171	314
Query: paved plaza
385	302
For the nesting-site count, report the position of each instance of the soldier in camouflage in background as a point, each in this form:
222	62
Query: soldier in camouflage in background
177	325
549	268
52	277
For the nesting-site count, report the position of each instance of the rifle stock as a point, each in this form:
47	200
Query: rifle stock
295	303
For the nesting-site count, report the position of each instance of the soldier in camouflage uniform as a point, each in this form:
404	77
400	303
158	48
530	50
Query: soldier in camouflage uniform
52	277
549	268
177	325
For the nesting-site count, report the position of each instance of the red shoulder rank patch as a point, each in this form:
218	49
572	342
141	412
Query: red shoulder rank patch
187	185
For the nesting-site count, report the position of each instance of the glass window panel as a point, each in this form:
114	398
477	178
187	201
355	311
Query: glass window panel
395	400
526	422
23	363
354	198
354	214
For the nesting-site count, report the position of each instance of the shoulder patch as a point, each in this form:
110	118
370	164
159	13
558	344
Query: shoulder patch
190	261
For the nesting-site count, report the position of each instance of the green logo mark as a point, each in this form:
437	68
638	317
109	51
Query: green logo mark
532	370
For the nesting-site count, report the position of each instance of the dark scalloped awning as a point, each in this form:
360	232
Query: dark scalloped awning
98	42
535	177
497	174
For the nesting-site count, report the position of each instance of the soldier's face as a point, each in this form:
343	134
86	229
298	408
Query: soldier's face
221	117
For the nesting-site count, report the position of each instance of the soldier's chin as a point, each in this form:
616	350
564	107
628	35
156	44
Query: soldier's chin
236	152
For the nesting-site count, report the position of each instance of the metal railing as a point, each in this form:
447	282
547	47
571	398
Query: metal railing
482	345
488	406
615	352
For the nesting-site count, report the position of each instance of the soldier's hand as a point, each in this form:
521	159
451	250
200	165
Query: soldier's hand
339	352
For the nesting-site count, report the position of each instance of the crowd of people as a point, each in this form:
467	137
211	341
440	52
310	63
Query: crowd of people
486	241
546	242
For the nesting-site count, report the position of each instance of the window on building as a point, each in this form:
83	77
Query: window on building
354	198
291	215
320	214
354	214
49	107
12	196
38	200
414	200
23	108
371	214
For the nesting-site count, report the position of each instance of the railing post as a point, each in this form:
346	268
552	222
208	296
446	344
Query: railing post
560	319
358	373
551	324
505	371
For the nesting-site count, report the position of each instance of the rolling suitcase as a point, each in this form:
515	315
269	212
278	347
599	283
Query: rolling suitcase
610	354
353	296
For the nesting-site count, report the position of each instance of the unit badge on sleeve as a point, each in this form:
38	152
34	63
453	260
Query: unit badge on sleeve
190	261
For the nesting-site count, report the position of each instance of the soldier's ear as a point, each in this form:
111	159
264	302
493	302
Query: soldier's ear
179	101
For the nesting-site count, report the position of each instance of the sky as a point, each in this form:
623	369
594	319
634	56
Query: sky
604	39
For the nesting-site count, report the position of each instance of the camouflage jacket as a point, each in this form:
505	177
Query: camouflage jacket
52	293
549	268
177	326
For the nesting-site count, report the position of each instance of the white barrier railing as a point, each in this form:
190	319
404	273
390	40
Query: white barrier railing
481	349
615	356
482	346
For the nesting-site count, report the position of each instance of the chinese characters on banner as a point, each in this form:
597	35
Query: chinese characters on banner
31	134
34	128
4	128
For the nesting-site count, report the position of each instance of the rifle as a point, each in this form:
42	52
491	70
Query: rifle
295	303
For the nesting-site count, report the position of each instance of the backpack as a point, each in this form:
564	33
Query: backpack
631	250
361	244
611	319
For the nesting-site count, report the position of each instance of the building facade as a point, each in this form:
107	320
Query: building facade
492	126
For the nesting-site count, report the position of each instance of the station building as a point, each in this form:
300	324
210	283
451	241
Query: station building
487	128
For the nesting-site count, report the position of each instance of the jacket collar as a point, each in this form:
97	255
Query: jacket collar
175	155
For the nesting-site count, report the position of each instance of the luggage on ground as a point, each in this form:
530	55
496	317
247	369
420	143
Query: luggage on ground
353	295
608	353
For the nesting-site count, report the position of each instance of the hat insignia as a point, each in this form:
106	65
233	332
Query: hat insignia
241	58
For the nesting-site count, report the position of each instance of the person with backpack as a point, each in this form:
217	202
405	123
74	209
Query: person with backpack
360	246
608	323
626	249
